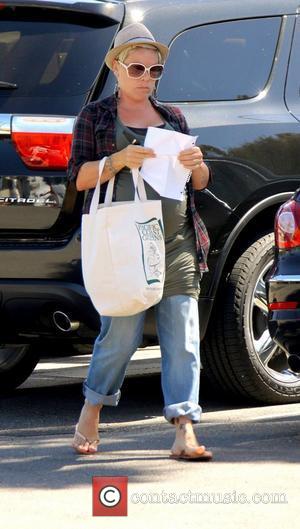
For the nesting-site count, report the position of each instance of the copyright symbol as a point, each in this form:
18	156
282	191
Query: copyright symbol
109	496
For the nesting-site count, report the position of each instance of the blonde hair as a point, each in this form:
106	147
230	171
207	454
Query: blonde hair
123	54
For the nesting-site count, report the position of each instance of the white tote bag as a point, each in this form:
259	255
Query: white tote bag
123	251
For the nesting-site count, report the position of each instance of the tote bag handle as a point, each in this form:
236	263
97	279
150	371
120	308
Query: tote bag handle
96	194
138	182
139	187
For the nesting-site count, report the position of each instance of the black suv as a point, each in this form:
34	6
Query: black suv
234	70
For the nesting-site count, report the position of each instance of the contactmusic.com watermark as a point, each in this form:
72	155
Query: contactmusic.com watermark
110	497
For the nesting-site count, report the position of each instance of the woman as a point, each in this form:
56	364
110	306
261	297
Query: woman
116	127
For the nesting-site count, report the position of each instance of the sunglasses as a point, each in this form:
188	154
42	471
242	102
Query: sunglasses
137	70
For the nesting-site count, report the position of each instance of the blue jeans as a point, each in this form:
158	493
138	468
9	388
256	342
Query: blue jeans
178	332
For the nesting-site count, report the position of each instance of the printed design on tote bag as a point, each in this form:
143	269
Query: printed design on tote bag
151	235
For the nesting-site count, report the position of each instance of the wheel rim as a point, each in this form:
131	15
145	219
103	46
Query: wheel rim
272	358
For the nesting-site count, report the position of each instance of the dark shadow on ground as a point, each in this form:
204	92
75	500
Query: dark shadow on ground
38	423
59	405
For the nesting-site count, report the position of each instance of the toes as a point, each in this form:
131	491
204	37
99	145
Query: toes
86	448
80	449
92	450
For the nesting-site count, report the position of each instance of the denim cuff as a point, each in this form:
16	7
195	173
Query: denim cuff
97	398
189	409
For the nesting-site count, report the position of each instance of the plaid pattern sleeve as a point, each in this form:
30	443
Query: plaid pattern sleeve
201	235
181	119
83	143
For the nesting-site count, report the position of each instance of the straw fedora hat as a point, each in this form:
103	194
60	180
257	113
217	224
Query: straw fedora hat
134	34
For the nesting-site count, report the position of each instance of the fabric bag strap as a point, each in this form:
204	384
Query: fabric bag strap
139	186
138	182
96	194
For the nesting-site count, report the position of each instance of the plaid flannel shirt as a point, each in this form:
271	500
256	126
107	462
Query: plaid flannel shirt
94	136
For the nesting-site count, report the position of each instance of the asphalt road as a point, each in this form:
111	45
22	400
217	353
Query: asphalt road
253	481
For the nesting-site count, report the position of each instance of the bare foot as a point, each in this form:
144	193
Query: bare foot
89	420
86	435
185	440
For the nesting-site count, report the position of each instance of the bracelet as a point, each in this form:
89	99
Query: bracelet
111	168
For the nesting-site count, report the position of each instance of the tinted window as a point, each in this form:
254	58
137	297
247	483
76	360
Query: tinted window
225	61
50	53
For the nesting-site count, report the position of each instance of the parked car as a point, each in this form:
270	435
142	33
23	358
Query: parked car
283	287
233	70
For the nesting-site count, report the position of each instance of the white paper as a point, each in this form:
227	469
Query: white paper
164	172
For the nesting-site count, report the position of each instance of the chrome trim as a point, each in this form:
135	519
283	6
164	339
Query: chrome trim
63	322
5	124
35	123
284	279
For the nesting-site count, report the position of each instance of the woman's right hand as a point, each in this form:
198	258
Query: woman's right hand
133	156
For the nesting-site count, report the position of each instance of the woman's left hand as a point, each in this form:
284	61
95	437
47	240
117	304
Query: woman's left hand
191	158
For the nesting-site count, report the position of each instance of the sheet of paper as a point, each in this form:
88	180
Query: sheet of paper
164	172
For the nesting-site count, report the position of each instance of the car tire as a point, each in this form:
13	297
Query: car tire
238	354
16	364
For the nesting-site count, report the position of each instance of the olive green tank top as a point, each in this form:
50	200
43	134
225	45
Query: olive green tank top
182	272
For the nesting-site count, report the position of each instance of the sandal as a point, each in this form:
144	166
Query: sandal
80	441
198	454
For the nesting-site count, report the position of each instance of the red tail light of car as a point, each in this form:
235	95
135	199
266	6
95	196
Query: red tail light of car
287	225
283	305
43	141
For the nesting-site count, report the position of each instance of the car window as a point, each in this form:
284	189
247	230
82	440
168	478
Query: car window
217	62
50	52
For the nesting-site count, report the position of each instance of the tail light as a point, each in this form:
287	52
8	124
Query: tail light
43	141
287	225
283	305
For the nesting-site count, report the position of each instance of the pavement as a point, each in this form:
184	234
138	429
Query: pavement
252	482
145	361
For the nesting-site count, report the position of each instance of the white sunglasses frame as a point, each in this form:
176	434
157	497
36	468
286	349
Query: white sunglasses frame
147	70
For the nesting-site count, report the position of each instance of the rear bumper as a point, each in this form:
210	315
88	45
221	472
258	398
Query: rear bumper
284	325
27	308
284	328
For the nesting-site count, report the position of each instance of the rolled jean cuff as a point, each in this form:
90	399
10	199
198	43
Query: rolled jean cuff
189	409
96	398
